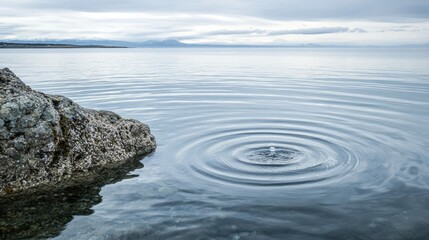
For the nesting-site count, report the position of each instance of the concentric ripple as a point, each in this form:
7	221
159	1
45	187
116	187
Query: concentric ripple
244	155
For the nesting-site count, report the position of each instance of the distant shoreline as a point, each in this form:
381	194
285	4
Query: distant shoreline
48	45
176	44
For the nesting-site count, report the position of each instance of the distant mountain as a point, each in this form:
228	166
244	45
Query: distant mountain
163	43
109	43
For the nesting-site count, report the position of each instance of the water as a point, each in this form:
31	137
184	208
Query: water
252	143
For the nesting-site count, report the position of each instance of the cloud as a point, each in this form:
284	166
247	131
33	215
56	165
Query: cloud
380	10
219	21
307	31
300	31
234	32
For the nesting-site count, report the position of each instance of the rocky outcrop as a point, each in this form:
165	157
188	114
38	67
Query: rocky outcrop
47	140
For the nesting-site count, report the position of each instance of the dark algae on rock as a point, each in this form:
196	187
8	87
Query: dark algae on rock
50	141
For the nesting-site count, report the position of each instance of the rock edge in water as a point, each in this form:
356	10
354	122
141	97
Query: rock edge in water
47	140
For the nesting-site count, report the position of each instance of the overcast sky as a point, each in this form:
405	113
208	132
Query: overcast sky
350	22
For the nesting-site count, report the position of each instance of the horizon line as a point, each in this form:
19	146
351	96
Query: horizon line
172	43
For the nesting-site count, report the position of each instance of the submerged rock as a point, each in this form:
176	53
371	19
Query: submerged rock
44	214
49	140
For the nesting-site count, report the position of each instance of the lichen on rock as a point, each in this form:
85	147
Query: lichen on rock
47	139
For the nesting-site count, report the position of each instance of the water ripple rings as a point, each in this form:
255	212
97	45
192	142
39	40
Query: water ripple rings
242	156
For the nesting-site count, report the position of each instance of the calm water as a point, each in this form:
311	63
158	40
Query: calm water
348	127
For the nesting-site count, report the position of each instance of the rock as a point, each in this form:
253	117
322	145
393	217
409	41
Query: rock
48	140
44	214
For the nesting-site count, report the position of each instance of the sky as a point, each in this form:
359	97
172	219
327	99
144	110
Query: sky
260	22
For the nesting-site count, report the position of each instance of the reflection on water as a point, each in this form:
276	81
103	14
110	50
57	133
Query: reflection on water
44	215
349	128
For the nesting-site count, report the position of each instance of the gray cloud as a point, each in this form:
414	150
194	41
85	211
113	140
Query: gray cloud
306	31
4	26
234	32
383	10
219	21
9	29
300	31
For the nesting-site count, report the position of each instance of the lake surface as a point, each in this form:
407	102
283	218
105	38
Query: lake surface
252	143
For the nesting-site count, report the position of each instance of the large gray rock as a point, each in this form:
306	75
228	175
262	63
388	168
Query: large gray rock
47	140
